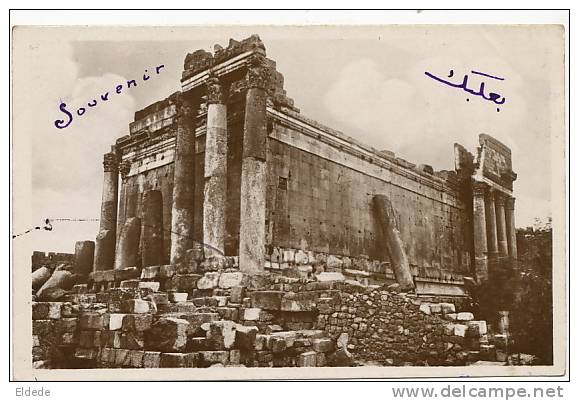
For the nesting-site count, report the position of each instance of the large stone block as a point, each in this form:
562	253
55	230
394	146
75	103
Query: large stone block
245	337
208	281
94	321
269	300
46	310
299	302
168	334
307	359
221	334
231	279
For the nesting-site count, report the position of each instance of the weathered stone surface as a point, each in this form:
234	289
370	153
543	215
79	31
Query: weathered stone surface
83	257
269	300
299	302
152	228
93	321
135	306
116	321
150	272
251	314
230	279
221	334
464	316
40	276
322	345
168	335
330	276
46	310
183	182
104	257
125	273
127	254
307	359
389	226
208	281
245	336
52	289
178	296
137	322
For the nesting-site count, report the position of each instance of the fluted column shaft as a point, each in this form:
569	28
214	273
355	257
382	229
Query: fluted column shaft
479	231
215	191
104	256
491	224
511	229
183	183
253	173
501	225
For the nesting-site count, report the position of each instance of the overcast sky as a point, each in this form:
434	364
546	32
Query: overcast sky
368	83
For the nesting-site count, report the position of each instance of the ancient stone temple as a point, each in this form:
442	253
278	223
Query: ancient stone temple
240	172
238	210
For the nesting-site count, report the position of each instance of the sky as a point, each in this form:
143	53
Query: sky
367	82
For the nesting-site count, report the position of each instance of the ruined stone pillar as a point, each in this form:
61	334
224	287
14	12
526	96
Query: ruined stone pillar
479	231
253	172
83	257
106	239
183	183
511	229
491	224
152	228
215	197
501	225
128	250
398	258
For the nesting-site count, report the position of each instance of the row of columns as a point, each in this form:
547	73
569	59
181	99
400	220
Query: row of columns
493	226
253	188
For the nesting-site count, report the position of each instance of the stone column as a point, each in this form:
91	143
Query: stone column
105	242
83	257
215	198
479	231
128	250
253	172
491	224
124	169
152	228
398	259
511	229
501	225
183	182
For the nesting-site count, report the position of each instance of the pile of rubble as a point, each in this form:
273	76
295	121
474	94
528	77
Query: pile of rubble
206	313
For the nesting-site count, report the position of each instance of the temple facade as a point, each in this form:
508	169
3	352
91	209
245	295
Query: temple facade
230	167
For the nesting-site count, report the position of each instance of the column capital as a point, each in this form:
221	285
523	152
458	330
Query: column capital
215	92
510	203
479	188
500	199
185	112
257	73
124	168
110	163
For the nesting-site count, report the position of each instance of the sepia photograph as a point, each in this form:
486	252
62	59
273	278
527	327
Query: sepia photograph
358	201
